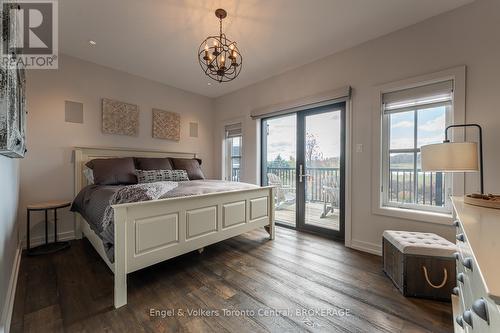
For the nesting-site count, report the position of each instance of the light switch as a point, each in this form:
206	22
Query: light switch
359	148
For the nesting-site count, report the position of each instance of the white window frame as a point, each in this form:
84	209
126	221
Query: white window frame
229	157
225	147
386	151
380	169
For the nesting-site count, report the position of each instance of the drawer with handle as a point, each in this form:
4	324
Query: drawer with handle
482	316
486	313
463	246
476	282
463	282
465	320
458	308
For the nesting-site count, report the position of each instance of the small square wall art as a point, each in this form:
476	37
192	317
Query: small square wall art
166	125
120	118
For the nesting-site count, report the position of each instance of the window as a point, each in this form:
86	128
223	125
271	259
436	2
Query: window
233	144
412	118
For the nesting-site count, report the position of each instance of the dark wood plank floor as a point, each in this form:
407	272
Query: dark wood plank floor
315	284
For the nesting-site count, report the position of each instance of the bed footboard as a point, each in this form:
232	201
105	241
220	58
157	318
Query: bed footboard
150	232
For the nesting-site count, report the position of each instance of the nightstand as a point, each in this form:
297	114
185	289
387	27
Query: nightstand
47	247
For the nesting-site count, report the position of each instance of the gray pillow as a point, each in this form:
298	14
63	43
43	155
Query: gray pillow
113	171
151	176
152	163
191	165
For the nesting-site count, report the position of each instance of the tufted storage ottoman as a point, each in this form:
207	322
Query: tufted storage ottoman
420	264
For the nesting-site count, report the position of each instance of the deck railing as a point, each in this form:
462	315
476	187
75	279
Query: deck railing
428	190
319	177
235	174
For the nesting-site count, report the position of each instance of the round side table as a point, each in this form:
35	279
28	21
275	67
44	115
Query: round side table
47	247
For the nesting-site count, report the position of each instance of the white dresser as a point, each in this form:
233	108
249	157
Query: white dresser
476	303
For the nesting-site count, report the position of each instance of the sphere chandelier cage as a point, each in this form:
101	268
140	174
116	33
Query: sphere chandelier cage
219	57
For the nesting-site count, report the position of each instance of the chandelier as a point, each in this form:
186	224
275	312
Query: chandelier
219	57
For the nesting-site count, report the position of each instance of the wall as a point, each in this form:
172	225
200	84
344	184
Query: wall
465	36
9	195
47	171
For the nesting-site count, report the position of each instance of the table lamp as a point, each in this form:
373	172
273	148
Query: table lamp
459	157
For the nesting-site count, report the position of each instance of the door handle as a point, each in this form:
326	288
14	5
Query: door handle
301	173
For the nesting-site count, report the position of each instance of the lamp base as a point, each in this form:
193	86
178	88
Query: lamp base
483	200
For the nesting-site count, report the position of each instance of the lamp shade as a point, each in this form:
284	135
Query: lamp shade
450	157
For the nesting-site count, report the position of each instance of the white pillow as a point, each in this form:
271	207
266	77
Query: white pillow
89	175
151	176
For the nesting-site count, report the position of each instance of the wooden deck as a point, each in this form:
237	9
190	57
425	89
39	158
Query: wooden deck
318	284
314	210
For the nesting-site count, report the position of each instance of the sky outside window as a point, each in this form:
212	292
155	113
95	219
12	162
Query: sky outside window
430	128
282	131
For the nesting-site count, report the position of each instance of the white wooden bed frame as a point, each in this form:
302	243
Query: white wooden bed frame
149	232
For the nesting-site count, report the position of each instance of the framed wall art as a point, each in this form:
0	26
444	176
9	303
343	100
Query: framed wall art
119	118
166	125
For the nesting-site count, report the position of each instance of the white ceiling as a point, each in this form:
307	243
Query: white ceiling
159	39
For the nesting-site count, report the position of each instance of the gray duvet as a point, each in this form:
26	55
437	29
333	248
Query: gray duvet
94	201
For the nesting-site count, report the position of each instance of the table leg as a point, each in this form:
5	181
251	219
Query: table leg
55	225
46	227
28	229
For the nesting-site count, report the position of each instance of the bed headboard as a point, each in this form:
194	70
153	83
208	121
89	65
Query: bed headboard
85	154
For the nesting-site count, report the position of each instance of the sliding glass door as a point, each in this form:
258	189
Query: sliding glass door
303	156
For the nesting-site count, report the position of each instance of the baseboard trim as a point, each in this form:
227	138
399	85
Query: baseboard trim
366	247
39	240
11	293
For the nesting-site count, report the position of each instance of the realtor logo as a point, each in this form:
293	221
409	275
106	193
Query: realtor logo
29	34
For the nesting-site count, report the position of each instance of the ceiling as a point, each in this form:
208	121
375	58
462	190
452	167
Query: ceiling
159	39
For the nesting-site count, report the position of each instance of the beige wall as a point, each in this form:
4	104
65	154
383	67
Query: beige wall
9	196
466	36
47	170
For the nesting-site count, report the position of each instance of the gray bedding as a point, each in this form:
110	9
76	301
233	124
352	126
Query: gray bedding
94	201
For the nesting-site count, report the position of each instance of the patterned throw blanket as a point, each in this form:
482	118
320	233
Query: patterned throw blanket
128	194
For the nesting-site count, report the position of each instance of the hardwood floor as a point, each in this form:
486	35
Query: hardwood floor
72	291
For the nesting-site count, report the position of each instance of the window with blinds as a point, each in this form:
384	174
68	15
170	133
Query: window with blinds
431	95
233	143
233	130
412	118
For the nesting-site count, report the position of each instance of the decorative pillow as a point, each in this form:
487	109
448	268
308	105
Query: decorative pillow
149	163
113	171
191	165
152	176
89	175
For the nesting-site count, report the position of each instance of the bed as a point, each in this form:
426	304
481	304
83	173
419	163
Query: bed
148	232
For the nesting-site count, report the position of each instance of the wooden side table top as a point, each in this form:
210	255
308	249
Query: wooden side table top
53	204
